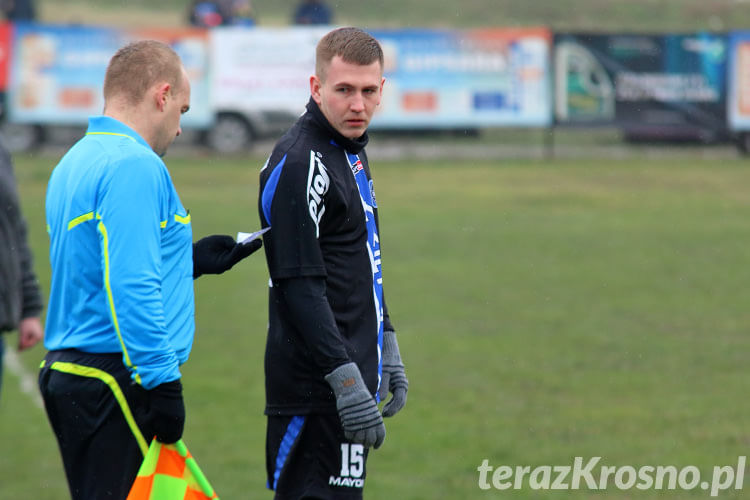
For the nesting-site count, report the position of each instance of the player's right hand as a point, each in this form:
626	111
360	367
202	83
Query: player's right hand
357	409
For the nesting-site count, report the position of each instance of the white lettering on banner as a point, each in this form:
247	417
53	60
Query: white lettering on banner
318	183
479	61
714	47
665	87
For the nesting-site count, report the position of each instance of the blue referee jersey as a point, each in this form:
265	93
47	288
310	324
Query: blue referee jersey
121	255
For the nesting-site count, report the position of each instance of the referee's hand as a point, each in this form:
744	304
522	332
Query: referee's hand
167	411
219	252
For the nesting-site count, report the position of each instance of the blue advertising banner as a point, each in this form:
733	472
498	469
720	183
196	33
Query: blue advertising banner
434	78
57	72
738	102
471	78
671	85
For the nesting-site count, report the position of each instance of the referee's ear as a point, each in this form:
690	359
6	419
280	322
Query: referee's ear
162	94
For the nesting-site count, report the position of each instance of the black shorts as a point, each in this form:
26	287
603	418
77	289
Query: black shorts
308	456
99	418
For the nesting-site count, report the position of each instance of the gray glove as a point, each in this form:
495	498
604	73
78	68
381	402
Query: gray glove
393	378
357	409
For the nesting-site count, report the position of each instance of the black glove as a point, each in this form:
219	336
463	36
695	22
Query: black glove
167	411
219	252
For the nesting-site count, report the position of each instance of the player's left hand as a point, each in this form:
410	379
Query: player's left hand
219	252
393	378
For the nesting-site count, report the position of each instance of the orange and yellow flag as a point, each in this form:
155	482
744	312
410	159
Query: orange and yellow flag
169	472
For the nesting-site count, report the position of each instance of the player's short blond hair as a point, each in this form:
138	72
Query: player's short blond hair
137	66
353	45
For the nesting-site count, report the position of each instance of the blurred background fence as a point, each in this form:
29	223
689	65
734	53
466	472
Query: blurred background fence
449	69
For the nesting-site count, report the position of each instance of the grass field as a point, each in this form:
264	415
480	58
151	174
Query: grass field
545	311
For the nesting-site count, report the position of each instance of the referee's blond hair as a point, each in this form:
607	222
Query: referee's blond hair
139	65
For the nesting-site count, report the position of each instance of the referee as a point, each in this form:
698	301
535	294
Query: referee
331	352
121	314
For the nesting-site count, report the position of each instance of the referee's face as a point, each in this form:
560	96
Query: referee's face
348	95
175	103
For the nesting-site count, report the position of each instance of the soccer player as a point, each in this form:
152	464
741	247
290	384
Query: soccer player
121	315
331	352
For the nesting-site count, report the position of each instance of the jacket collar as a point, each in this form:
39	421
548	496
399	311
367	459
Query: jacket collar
106	125
350	145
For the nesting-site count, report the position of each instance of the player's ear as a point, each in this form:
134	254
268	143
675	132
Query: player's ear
315	85
379	95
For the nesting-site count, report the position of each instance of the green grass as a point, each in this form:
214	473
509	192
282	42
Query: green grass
545	311
596	15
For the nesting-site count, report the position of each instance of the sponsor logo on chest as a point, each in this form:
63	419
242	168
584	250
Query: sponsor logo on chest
318	182
356	166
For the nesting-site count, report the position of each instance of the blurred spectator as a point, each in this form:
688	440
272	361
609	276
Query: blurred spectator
312	12
210	13
18	10
242	13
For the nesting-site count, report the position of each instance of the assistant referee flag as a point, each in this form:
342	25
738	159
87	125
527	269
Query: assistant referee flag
169	472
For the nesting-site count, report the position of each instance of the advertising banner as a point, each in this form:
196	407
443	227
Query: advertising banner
5	54
660	85
262	69
467	78
57	72
434	78
738	102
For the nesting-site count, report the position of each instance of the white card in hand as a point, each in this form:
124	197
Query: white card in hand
245	238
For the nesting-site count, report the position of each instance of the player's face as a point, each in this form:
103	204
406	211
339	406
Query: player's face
348	95
177	104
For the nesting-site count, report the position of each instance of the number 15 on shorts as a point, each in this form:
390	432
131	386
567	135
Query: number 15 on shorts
352	460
